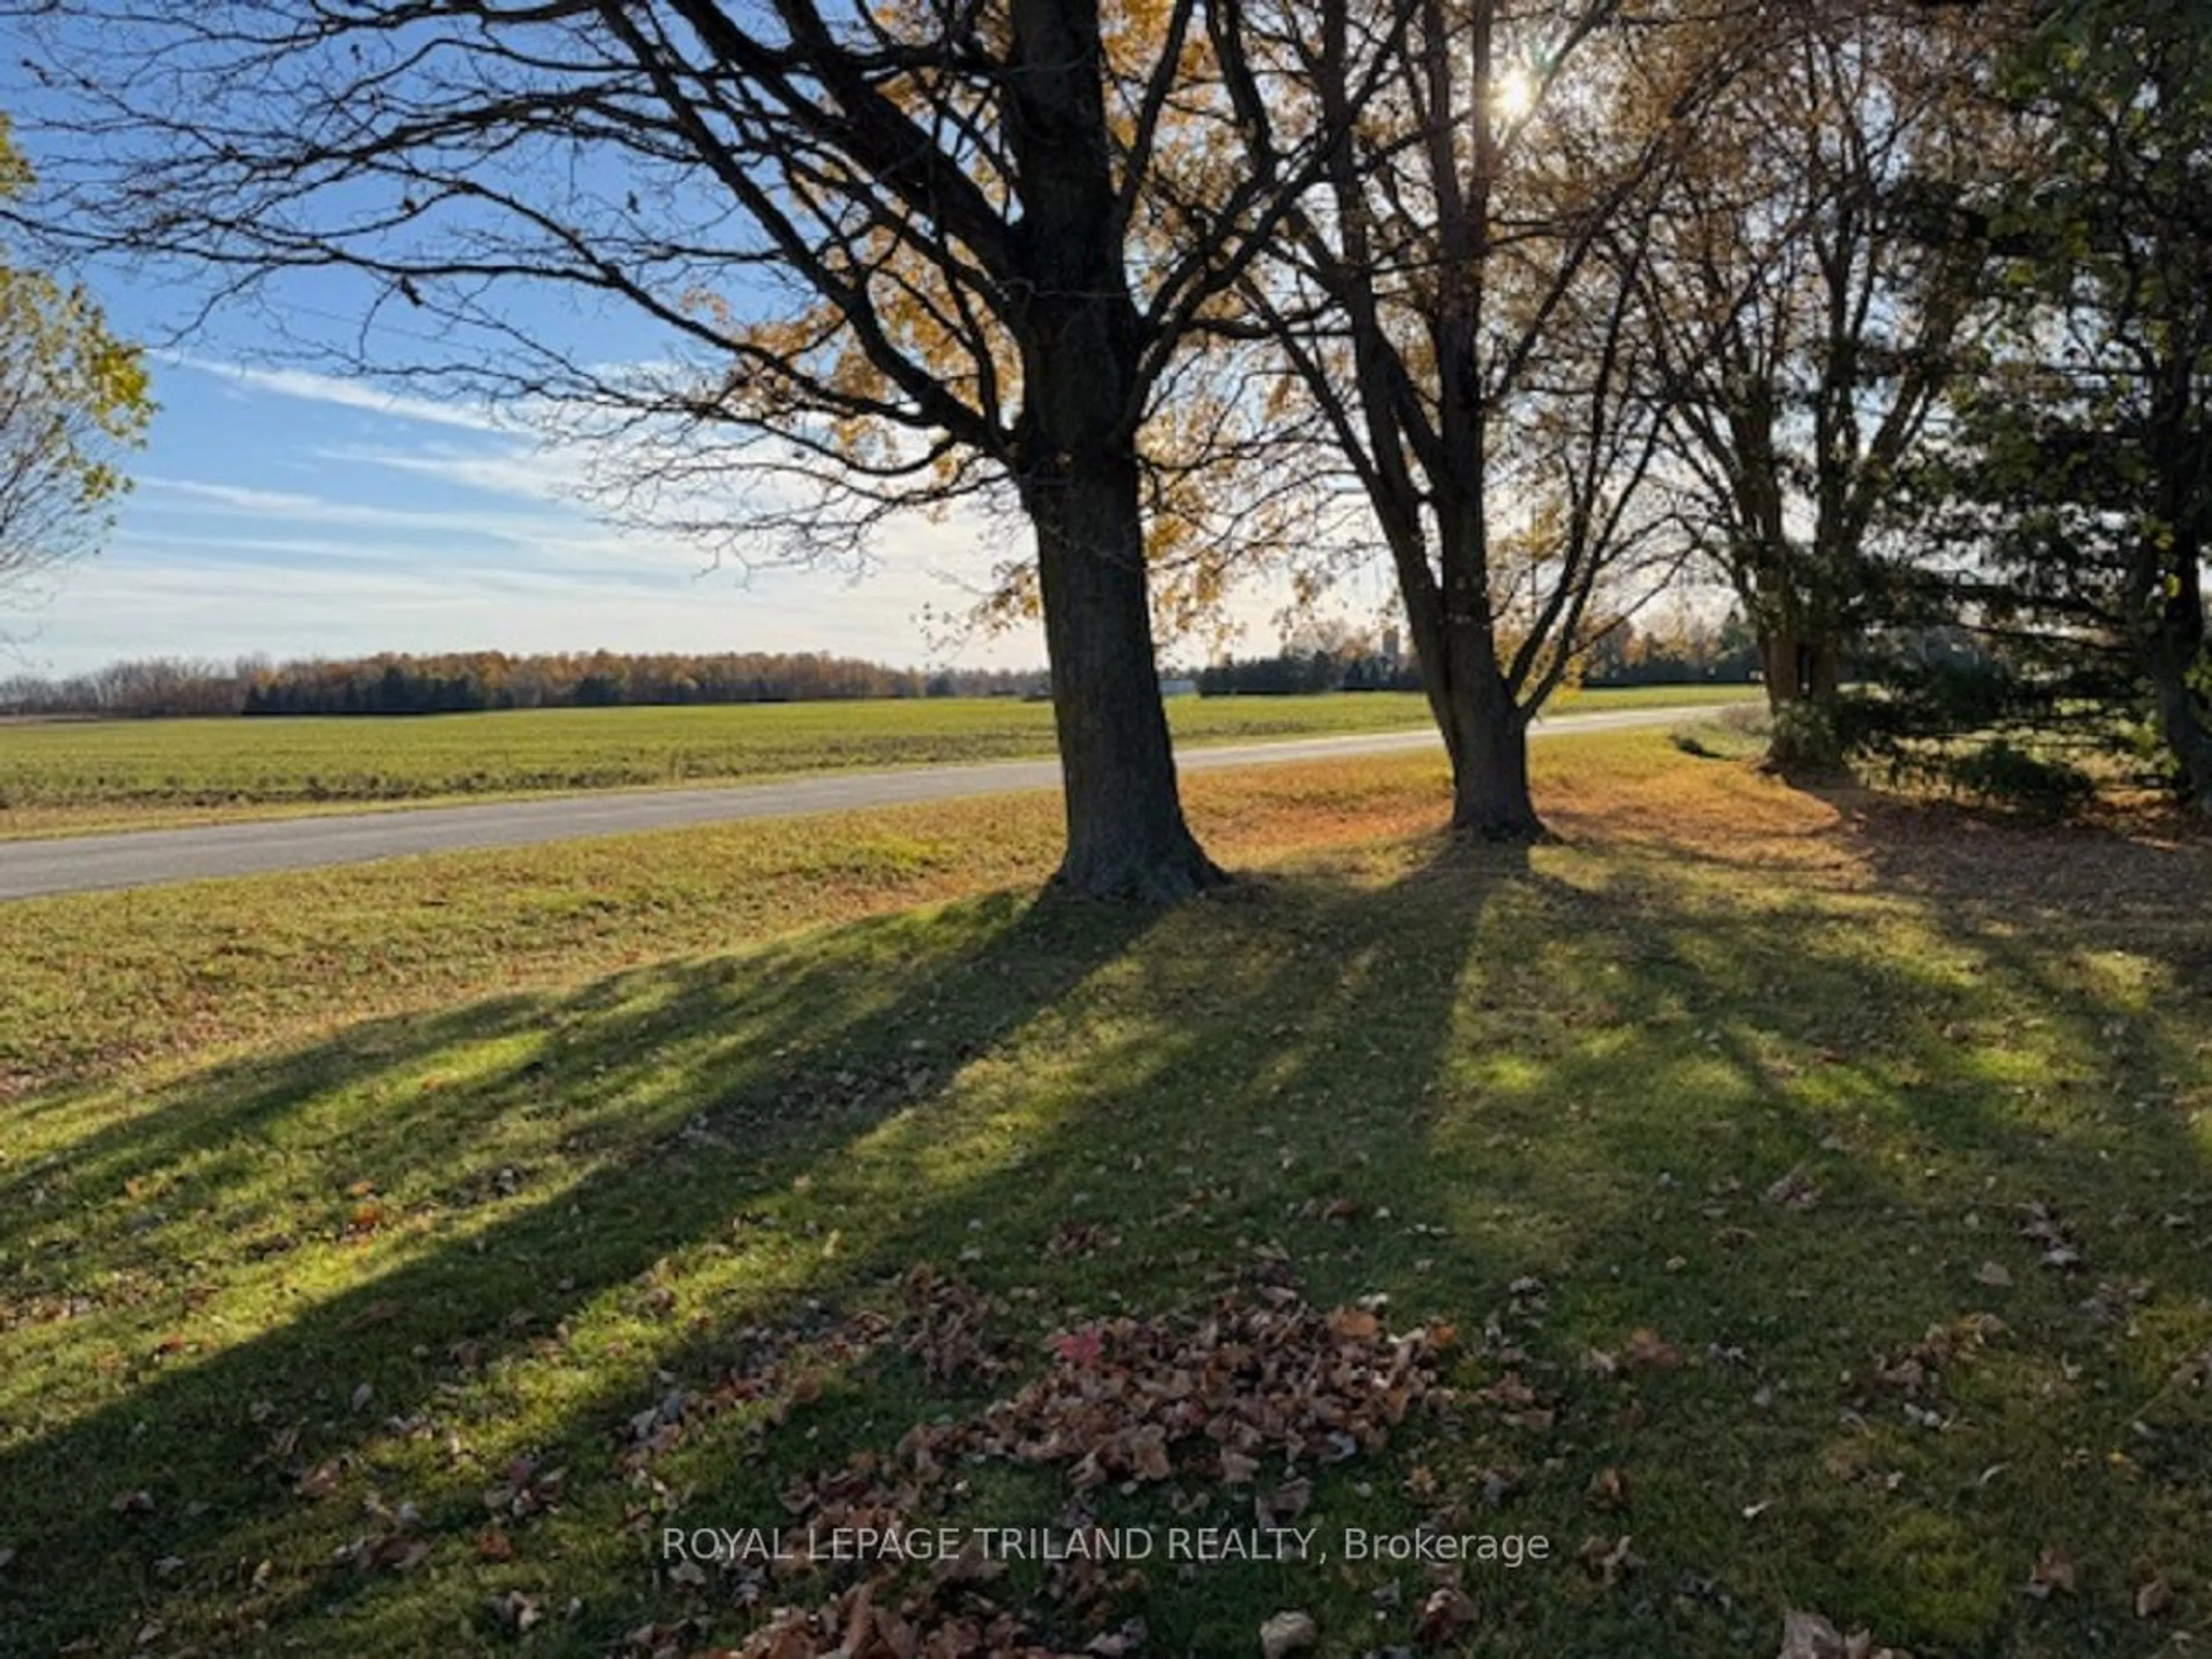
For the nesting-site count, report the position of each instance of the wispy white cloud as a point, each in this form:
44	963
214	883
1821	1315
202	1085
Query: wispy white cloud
542	537
202	498
535	473
236	498
446	525
312	387
155	545
149	600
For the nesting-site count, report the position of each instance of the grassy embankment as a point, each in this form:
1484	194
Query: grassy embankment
1818	1189
74	776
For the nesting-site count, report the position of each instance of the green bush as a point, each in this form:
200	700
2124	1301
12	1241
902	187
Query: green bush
2004	773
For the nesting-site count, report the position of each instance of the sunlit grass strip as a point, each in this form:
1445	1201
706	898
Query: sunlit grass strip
92	981
77	777
1675	1076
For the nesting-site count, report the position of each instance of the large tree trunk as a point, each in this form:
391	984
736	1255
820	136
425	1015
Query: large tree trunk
1076	463
1126	835
2176	649
1485	730
2181	726
2169	581
1804	679
1799	667
1489	767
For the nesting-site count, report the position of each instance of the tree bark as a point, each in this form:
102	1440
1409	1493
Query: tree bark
2187	742
1075	460
2170	582
1804	680
1778	667
2177	648
1485	729
1799	667
1126	835
1490	769
1483	726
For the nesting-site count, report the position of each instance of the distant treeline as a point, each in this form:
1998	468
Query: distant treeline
1685	650
467	682
1297	673
1680	651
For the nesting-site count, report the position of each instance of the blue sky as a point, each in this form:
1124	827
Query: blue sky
292	514
289	513
285	511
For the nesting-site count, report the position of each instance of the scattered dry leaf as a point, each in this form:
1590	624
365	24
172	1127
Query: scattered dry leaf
1355	1324
2053	1571
1609	1489
1444	1616
1809	1636
1289	1501
1794	1191
1287	1633
519	1613
1608	1563
1647	1350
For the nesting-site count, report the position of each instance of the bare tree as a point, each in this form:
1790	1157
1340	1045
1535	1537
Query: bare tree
921	252
1460	298
1812	293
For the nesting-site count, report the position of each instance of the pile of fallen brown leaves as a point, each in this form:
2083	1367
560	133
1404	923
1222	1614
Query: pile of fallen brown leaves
1217	1397
1249	1391
947	1328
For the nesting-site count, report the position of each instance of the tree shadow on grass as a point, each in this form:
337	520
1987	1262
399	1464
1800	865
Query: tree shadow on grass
523	1158
1261	1010
1208	1102
1428	1083
2102	927
1857	1120
1433	1087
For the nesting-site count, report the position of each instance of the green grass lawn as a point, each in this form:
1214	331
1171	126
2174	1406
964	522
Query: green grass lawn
76	775
1784	1203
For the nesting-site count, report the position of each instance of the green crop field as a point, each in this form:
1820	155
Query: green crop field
1767	1199
88	775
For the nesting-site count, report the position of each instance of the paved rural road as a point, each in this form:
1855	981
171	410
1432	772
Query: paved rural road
147	858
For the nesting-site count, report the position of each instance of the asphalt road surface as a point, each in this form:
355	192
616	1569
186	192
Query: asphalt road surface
148	858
